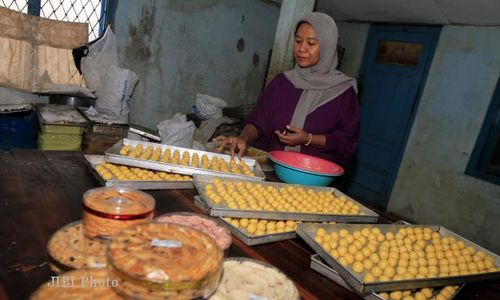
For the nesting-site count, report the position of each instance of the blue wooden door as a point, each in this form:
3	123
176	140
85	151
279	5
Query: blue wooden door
393	73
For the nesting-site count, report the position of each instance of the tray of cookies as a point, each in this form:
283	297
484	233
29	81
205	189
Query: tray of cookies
181	160
230	197
109	174
70	249
246	278
437	293
164	261
256	231
389	257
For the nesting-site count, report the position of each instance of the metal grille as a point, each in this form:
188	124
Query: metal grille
83	11
19	5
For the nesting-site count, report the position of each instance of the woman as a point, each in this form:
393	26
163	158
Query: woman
313	108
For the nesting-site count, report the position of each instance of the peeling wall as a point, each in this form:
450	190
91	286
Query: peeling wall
179	48
431	187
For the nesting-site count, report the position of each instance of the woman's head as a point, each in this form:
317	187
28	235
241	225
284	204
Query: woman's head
316	42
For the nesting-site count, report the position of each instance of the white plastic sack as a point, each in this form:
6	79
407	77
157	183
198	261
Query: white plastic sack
209	107
102	54
113	96
177	131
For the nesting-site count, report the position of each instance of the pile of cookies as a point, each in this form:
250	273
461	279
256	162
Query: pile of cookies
186	159
266	197
410	252
109	171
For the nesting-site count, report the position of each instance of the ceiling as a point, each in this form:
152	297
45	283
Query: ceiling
444	12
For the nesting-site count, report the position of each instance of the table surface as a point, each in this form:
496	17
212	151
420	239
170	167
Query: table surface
41	191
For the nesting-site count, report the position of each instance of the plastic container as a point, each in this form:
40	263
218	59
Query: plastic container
107	210
70	249
245	278
84	284
18	130
164	261
299	168
210	226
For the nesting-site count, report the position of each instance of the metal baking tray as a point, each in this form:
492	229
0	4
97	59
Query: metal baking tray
321	267
113	155
144	132
95	160
220	210
248	239
308	231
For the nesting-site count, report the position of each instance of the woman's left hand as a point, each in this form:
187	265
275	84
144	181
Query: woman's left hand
296	136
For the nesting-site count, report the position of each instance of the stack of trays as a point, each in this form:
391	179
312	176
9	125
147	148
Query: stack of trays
276	224
162	167
430	256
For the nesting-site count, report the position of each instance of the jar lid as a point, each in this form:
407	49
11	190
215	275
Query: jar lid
165	256
115	201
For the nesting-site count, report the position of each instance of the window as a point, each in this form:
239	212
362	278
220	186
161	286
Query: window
485	158
97	13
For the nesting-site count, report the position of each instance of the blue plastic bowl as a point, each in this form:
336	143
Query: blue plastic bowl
299	175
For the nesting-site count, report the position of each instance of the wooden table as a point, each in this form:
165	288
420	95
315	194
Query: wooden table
41	191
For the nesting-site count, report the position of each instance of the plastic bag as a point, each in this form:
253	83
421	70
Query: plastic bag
177	131
101	55
209	107
113	96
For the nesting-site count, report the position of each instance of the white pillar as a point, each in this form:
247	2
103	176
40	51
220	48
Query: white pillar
282	54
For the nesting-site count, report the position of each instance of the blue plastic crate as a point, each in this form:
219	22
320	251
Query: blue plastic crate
18	130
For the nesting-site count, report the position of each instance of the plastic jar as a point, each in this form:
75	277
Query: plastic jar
107	210
210	226
164	261
70	249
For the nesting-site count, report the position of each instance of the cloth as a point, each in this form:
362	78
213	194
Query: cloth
32	45
322	82
337	119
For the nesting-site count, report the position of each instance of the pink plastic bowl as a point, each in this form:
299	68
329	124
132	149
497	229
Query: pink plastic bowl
295	167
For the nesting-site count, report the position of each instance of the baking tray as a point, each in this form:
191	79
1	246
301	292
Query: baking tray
95	160
112	155
308	231
220	210
250	240
144	132
318	265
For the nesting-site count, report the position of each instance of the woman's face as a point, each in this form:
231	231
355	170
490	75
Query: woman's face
306	46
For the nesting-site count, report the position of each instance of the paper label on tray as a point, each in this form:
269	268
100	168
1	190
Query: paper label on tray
256	297
166	243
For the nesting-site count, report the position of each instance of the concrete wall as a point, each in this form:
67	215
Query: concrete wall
179	48
431	187
352	36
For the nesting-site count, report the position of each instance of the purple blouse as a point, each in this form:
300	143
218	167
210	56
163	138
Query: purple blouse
337	119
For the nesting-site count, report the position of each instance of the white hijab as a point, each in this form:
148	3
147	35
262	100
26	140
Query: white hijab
320	83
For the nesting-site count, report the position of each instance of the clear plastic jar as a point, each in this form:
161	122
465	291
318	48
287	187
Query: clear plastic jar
164	261
210	226
107	210
70	249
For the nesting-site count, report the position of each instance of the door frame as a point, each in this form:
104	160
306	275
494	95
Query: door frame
367	58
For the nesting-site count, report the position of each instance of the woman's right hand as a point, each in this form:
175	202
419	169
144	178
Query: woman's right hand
236	143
